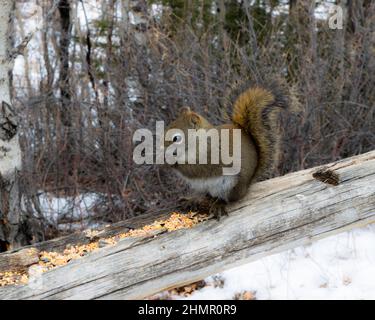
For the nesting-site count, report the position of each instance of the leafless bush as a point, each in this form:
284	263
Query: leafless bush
145	72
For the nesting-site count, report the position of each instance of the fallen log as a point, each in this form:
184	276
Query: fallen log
23	257
277	214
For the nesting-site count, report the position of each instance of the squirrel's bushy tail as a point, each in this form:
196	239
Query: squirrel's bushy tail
256	111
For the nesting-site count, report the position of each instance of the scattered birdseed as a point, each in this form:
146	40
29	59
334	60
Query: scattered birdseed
13	277
245	295
188	290
51	260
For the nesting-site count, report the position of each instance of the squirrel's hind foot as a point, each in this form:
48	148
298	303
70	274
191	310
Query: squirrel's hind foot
191	204
215	207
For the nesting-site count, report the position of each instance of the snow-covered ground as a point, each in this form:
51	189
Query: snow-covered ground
339	267
77	212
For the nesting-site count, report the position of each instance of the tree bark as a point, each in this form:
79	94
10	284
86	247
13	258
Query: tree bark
64	10
68	143
10	152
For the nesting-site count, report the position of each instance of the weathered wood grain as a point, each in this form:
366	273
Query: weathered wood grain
277	214
19	260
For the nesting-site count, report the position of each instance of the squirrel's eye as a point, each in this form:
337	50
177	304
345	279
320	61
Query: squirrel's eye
177	138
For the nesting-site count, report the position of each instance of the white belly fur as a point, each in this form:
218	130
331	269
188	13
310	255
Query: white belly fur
216	187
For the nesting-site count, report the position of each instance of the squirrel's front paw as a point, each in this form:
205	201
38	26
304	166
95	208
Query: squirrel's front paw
189	204
218	209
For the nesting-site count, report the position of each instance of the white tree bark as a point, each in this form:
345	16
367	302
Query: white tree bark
138	10
10	152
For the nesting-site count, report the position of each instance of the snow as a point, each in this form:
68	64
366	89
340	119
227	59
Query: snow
338	267
78	209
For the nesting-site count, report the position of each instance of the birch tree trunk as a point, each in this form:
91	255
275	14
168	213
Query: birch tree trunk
10	153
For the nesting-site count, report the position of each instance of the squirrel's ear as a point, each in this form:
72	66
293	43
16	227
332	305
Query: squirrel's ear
194	119
185	110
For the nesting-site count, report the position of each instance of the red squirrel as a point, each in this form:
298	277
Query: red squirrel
255	112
